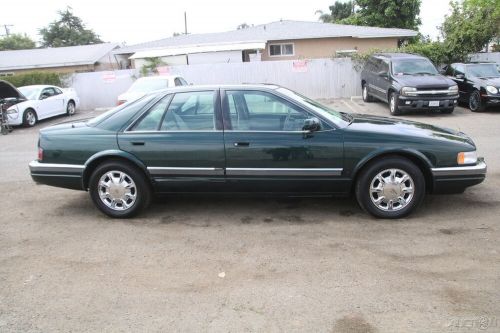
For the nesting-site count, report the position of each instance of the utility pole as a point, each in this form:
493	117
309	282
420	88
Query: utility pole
185	24
7	30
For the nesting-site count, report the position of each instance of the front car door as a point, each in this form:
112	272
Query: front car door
48	103
458	75
180	140
268	151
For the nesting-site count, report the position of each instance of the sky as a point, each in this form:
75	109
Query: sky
145	20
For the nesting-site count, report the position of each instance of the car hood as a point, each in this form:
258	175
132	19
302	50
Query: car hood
7	90
424	81
488	81
130	96
401	127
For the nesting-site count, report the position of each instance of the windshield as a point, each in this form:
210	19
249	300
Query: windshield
413	67
483	70
30	92
338	118
147	85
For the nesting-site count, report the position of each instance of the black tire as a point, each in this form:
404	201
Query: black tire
29	118
142	188
70	108
368	177
393	104
475	103
448	111
365	94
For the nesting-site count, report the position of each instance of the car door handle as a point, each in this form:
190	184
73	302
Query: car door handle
242	144
137	143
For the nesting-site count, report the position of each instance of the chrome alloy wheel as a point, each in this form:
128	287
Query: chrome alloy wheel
392	103
30	118
117	190
365	92
71	108
392	190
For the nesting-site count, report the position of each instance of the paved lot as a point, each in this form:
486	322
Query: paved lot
250	265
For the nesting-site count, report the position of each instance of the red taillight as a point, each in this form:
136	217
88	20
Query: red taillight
120	103
40	154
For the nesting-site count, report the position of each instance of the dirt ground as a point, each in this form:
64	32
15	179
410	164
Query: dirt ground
250	264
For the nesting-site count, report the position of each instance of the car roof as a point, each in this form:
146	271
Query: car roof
40	86
156	77
244	86
398	56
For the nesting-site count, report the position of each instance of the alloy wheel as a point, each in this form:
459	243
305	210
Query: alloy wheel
117	190
392	190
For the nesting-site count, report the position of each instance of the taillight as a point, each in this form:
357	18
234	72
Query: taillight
120	103
40	154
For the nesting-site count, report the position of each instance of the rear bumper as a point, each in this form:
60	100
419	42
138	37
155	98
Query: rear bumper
422	103
457	179
60	175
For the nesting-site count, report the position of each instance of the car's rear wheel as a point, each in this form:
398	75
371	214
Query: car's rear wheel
475	103
119	189
366	95
393	104
70	108
390	188
29	118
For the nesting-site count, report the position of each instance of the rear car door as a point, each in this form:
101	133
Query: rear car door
267	150
180	140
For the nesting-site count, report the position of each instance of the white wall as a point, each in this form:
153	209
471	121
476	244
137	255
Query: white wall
486	57
320	78
215	57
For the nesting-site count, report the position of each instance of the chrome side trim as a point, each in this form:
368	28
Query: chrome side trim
475	170
284	172
376	88
171	171
37	167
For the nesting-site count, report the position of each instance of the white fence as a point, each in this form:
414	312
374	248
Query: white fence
486	57
318	78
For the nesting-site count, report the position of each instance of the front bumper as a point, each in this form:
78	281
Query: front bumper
491	100
407	103
59	175
457	179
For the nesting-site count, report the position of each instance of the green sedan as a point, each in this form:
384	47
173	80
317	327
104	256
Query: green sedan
258	139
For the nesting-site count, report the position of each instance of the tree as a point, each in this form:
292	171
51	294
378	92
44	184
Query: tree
386	14
69	30
338	11
16	42
150	66
471	25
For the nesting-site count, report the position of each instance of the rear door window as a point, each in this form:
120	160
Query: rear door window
190	111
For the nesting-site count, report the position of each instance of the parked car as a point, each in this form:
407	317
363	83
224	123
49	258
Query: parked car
252	139
478	84
34	103
407	82
149	84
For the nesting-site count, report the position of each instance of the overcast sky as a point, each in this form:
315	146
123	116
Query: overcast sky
146	20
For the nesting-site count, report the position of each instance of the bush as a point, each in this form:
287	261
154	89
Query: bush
31	78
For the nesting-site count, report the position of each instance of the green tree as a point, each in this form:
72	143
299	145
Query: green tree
151	66
16	42
68	30
402	14
471	25
338	11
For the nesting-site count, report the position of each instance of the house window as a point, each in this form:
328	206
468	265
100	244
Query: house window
281	50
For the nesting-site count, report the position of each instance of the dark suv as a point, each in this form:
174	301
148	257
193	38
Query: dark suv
407	82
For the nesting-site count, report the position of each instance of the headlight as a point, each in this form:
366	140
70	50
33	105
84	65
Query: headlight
492	90
409	91
469	157
453	90
12	110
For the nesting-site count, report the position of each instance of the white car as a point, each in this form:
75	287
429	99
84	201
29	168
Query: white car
145	85
40	102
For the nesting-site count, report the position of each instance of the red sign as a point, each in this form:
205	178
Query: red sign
163	70
108	77
299	66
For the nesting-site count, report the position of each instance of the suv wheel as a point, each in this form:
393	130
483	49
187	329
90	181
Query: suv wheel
475	104
366	96
119	189
393	104
390	188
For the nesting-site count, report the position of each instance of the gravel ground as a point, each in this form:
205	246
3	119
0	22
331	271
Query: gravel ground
250	265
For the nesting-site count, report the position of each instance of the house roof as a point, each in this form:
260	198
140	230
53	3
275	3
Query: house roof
54	57
274	31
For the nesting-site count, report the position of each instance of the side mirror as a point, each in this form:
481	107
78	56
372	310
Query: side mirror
43	96
383	74
460	76
311	125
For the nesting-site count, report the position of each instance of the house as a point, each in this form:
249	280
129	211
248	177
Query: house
282	40
70	59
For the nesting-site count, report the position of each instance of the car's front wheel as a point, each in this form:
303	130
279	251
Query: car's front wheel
393	104
29	118
119	189
391	187
475	103
70	108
